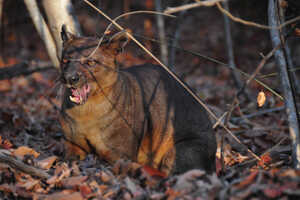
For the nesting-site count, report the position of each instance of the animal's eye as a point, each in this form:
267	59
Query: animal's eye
91	63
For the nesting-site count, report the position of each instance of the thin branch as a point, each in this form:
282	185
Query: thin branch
218	62
256	114
19	165
207	3
257	70
162	33
249	23
174	76
230	54
291	109
23	69
177	33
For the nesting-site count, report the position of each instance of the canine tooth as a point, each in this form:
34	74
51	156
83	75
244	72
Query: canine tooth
73	99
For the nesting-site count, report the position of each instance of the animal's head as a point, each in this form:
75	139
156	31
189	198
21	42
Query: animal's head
88	63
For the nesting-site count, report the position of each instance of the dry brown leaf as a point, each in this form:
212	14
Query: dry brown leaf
47	162
297	31
261	98
272	192
61	172
105	177
6	144
24	150
29	185
265	160
290	173
248	180
65	195
86	191
73	182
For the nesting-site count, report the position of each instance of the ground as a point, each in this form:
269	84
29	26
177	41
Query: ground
29	128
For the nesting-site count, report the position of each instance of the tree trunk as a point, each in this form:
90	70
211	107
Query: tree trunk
60	12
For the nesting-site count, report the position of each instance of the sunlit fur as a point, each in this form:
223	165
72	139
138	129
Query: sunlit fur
140	113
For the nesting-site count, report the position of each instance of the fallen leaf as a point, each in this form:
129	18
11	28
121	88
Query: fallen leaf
248	180
290	173
172	194
261	99
23	150
65	195
185	181
297	31
153	172
86	191
265	160
72	182
47	162
29	185
272	192
6	144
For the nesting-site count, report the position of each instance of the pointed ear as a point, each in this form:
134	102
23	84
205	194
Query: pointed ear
118	41
65	35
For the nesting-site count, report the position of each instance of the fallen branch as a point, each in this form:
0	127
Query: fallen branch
23	69
19	165
290	105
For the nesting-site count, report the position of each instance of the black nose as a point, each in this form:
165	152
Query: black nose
73	78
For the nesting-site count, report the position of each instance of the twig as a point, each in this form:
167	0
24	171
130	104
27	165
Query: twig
218	62
249	23
229	45
161	32
19	165
261	64
290	106
258	113
174	43
22	69
258	68
174	76
207	3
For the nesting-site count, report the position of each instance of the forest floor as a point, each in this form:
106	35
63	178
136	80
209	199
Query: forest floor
29	110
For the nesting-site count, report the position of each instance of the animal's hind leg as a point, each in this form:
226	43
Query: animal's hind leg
194	154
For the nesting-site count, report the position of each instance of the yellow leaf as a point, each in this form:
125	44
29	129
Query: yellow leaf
261	99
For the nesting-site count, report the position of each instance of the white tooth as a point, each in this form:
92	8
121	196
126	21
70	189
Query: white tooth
73	99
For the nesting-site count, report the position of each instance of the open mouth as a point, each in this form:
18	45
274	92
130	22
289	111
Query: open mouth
79	95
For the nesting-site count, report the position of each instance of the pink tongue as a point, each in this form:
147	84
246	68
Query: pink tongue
79	95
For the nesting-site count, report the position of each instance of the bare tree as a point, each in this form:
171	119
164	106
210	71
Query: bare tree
58	12
290	106
43	30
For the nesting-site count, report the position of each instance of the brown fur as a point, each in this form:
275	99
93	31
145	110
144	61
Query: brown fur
140	113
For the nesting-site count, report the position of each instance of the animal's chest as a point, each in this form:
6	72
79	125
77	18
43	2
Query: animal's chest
111	129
